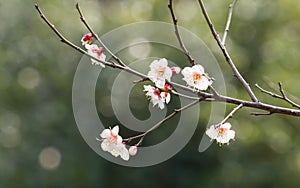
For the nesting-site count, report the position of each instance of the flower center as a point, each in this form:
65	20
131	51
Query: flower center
157	93
88	38
113	138
196	76
167	87
221	131
161	71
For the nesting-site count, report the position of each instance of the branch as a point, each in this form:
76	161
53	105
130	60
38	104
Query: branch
226	54
185	51
261	114
67	42
228	21
282	96
286	98
82	18
231	114
176	111
185	96
206	96
259	105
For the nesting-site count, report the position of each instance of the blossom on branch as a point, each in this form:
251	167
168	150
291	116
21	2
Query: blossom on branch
112	143
97	52
87	39
222	133
132	150
158	97
196	77
160	72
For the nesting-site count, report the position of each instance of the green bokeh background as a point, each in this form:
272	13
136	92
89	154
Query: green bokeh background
36	76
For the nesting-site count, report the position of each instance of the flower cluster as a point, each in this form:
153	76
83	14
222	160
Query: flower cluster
113	143
221	133
93	49
158	96
160	73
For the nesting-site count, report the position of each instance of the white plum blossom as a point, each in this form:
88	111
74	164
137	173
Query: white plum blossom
97	52
196	77
222	134
156	96
87	39
112	143
160	72
132	150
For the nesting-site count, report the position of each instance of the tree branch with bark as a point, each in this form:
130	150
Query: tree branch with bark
164	87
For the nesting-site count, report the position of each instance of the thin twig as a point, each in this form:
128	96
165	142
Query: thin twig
67	42
231	114
228	21
226	54
140	80
261	114
282	96
176	111
285	97
185	96
214	91
185	51
82	18
268	92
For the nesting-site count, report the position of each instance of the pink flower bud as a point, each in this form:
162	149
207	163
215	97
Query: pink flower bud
175	70
132	150
87	39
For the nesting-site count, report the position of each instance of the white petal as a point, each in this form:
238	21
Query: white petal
186	71
231	134
105	145
115	152
202	84
160	83
168	73
226	125
119	139
168	98
102	58
125	156
87	46
115	130
161	105
148	88
212	132
152	75
224	139
124	153
105	133
198	68
163	62
154	64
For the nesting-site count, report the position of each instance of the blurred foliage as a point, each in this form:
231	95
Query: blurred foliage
40	145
